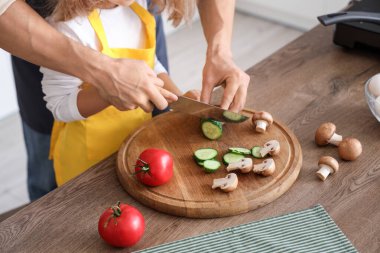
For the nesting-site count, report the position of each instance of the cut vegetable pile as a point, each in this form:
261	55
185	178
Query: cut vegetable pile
205	157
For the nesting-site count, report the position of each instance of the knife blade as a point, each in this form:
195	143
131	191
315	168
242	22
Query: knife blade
203	110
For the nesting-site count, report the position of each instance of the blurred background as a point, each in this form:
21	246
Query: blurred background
260	28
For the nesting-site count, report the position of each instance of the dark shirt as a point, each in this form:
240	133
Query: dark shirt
28	78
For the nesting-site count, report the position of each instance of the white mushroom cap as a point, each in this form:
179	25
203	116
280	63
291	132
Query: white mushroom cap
227	184
262	120
350	149
244	165
271	147
266	168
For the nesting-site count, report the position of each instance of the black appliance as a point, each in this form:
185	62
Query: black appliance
358	25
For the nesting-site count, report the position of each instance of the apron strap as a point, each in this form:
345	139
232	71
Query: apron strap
150	23
97	25
145	16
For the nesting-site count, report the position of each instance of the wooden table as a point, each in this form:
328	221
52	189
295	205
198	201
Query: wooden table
308	82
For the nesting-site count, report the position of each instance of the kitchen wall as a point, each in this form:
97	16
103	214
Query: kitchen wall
299	14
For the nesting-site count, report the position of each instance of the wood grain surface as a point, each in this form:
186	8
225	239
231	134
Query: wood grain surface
189	192
308	82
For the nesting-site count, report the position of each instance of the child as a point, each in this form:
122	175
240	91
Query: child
87	129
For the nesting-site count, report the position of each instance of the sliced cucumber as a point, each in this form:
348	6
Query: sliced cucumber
233	116
243	151
256	152
212	129
211	166
204	154
232	157
199	162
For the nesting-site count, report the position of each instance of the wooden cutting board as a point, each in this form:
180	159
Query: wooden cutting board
189	191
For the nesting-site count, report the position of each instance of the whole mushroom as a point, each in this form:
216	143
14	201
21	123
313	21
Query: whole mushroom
262	120
266	168
326	134
271	147
226	184
327	165
350	149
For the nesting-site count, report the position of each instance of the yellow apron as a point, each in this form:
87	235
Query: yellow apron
76	146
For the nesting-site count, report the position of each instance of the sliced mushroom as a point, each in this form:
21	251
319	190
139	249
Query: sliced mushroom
327	165
271	147
325	134
227	184
350	149
262	120
266	168
244	165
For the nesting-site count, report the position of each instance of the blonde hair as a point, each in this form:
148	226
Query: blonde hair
177	10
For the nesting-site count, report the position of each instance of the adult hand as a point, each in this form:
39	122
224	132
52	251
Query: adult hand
221	70
129	84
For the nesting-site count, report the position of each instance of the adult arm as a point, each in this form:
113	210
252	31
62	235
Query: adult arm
122	82
220	69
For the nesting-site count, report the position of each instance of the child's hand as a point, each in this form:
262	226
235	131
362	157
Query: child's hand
193	94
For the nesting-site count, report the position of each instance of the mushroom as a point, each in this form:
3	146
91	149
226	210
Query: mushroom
327	165
262	120
266	168
374	85
350	149
271	147
227	184
244	165
325	134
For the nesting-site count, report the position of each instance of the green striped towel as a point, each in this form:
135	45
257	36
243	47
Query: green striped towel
310	230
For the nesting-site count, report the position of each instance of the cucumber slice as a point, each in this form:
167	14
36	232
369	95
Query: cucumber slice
204	154
199	162
212	129
232	157
242	151
211	166
233	116
256	152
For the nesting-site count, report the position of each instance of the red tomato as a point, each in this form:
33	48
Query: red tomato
154	167
121	225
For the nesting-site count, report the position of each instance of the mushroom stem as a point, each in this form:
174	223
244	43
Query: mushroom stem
261	126
244	165
258	168
219	182
324	171
335	139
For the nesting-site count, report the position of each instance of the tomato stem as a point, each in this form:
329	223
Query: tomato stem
143	168
116	210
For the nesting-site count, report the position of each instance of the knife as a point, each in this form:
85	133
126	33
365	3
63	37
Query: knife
203	110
